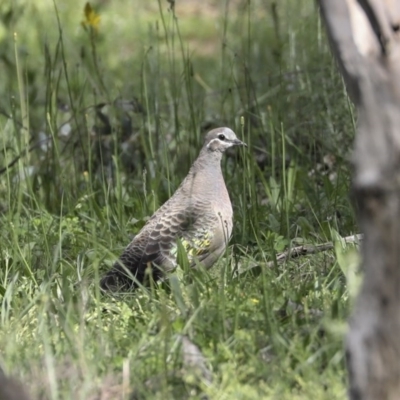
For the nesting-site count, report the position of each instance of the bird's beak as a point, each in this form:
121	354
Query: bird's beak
238	142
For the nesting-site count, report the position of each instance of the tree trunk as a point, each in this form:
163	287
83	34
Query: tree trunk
365	39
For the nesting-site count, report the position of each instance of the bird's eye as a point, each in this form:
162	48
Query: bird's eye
221	137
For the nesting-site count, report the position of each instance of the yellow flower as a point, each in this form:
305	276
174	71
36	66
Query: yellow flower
92	19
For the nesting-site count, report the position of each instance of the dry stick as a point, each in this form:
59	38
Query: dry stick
307	249
303	250
39	142
23	153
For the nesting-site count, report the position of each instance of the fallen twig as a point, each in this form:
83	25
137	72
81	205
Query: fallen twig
306	249
302	250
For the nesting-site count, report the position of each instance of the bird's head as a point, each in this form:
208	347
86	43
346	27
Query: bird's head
221	139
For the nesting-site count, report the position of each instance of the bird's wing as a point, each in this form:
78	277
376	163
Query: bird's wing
193	224
156	244
199	239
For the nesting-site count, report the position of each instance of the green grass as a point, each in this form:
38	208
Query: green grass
70	205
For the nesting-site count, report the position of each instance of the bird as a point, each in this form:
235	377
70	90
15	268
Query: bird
199	215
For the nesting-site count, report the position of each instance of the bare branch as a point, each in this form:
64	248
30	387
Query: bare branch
304	250
375	12
369	56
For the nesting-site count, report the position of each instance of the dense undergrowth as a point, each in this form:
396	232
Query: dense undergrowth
100	120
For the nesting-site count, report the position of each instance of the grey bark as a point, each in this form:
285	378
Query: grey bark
365	40
11	389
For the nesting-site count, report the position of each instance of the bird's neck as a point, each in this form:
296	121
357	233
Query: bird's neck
208	160
206	173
